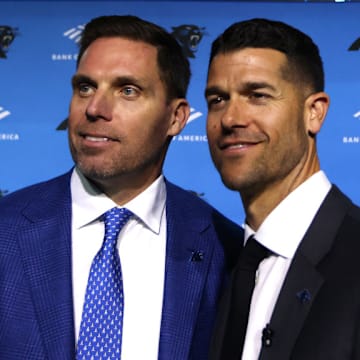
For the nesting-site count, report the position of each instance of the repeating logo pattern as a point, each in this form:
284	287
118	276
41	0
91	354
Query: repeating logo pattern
4	113
7	36
189	37
74	33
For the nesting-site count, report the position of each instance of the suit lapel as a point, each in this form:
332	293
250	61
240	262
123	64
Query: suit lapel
294	303
303	280
45	246
188	257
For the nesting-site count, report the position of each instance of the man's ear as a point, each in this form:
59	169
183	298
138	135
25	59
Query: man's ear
180	115
316	107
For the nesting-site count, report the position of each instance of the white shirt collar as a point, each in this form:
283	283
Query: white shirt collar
89	203
284	228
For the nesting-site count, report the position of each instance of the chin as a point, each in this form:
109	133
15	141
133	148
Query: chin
95	172
231	183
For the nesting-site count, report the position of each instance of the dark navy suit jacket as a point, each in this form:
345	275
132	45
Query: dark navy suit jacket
317	313
36	306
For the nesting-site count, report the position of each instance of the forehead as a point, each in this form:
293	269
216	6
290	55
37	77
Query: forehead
116	52
256	63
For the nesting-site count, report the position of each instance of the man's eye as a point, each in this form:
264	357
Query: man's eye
84	88
258	95
129	91
214	100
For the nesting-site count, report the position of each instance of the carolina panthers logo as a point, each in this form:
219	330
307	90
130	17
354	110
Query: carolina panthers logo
355	45
189	37
7	36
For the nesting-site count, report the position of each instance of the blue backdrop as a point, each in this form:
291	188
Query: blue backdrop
38	48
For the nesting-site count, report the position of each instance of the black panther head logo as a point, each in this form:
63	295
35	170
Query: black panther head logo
355	45
189	37
7	36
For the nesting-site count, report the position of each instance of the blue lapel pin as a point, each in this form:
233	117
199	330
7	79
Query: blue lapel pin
304	296
196	256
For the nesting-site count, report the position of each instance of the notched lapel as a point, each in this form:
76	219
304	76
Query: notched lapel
303	281
188	256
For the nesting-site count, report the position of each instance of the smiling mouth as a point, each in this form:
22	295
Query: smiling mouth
96	139
237	146
234	146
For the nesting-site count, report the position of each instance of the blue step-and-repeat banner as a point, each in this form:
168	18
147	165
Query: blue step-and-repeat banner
38	50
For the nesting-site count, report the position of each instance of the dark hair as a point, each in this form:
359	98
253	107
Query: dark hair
305	64
173	65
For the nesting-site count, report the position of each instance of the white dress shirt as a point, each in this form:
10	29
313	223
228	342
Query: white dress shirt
281	232
142	248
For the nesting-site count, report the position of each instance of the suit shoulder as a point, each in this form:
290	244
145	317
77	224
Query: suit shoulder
41	191
188	205
353	210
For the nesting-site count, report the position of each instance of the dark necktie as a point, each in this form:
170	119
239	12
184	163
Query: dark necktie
242	288
101	323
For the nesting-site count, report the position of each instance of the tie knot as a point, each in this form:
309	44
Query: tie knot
115	219
253	253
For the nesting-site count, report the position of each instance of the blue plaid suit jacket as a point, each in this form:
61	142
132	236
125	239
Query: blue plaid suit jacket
36	306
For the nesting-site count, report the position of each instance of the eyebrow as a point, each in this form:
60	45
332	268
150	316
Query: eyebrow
255	85
126	80
214	90
118	81
246	87
78	79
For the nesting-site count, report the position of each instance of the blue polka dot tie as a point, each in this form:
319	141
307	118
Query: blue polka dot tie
101	323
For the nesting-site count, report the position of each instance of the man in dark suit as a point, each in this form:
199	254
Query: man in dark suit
128	102
266	104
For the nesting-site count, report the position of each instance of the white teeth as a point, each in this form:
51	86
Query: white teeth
239	146
98	139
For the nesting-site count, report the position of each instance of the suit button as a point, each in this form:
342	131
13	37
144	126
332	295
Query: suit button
267	335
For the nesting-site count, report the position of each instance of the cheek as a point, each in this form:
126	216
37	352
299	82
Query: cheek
76	112
151	133
73	104
211	126
72	120
77	105
158	121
